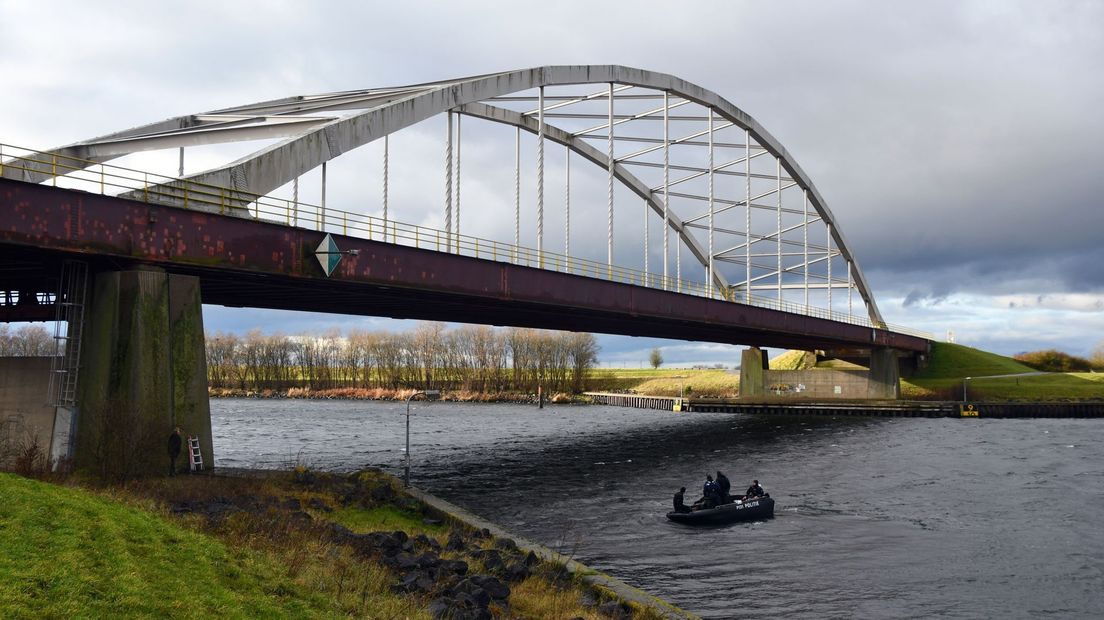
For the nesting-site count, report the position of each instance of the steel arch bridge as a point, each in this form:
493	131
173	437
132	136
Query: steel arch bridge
698	168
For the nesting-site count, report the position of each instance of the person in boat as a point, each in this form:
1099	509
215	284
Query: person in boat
723	488
680	505
710	494
754	491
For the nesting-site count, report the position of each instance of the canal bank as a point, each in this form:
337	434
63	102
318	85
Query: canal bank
604	585
594	578
879	408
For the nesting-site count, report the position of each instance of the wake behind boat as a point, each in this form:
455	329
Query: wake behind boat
749	510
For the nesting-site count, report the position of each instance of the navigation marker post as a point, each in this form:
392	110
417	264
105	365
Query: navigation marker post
329	255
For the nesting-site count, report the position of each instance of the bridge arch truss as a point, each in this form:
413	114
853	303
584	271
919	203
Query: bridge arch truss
704	171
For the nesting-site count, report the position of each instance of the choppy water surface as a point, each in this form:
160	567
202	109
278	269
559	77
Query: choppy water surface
875	518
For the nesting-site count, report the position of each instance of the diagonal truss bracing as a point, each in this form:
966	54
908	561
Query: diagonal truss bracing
741	198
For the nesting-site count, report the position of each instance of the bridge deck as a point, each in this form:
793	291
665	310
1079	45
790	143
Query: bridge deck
250	263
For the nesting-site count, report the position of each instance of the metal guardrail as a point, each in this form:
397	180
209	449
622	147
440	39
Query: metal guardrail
152	188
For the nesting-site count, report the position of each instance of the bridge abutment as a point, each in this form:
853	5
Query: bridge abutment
882	381
143	372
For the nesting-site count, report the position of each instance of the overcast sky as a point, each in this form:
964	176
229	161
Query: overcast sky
958	143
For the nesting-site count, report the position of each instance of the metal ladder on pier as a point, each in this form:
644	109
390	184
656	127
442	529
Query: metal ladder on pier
195	456
65	367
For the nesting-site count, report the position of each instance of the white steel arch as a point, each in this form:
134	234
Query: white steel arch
316	130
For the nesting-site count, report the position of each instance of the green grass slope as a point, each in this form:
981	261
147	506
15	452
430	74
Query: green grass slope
67	553
788	360
950	364
953	361
1058	386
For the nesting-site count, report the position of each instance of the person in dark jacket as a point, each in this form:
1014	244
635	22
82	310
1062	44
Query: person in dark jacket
710	494
680	504
755	490
175	443
723	488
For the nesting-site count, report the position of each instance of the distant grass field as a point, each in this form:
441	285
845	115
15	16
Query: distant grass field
638	373
693	383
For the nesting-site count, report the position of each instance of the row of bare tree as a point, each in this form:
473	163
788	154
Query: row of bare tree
25	341
475	358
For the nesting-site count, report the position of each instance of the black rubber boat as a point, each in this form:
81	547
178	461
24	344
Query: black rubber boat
759	508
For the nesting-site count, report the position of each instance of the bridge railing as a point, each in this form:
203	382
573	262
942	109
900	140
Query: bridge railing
81	174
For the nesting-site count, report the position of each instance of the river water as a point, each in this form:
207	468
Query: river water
875	517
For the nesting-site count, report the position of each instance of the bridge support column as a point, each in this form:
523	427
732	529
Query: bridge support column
753	361
143	372
885	374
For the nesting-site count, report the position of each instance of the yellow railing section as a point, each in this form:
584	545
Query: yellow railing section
75	173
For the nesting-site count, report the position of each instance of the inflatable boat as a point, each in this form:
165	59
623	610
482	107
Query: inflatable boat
750	510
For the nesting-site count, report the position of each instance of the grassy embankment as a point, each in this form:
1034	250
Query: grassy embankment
942	379
69	553
669	382
241	548
950	364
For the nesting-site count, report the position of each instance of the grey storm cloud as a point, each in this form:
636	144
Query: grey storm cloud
957	142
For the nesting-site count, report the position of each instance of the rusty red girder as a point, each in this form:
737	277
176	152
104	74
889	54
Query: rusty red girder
249	263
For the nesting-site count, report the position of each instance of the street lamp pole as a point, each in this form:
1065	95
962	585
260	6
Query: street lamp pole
427	394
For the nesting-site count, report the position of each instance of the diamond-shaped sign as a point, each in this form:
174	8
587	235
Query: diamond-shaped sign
328	255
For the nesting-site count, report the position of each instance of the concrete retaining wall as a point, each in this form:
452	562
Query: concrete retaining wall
24	415
824	383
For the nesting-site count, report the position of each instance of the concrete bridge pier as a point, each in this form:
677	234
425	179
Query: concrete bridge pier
143	371
885	374
753	367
